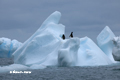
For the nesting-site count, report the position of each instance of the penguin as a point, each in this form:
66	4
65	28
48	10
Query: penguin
63	36
71	35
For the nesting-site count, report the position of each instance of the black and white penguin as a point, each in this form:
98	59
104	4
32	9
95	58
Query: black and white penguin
63	36
71	35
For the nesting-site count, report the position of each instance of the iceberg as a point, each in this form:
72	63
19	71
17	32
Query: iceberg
43	45
89	54
13	67
104	40
8	46
46	48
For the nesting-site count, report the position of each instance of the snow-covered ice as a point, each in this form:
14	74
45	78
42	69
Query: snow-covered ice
8	46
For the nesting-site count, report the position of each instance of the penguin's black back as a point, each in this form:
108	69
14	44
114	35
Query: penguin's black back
71	35
63	36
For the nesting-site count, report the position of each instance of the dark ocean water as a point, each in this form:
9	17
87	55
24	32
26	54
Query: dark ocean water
111	72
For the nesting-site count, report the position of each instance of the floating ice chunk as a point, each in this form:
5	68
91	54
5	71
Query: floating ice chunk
42	43
67	55
7	47
104	40
89	54
16	67
37	66
116	49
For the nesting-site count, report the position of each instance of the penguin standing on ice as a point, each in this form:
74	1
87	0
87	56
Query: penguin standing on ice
71	35
63	36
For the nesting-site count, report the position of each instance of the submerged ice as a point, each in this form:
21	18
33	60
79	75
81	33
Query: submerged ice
47	48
